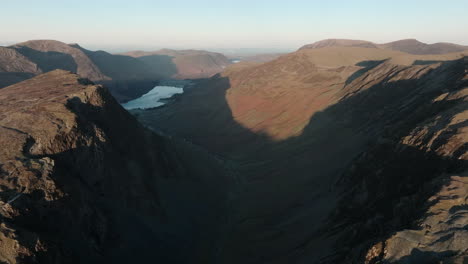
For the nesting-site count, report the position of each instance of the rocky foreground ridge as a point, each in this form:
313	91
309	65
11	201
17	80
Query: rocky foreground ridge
81	181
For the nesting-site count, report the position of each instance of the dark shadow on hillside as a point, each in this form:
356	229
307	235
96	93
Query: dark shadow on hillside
131	77
424	62
426	257
9	78
130	196
121	67
50	60
290	186
126	90
368	65
162	64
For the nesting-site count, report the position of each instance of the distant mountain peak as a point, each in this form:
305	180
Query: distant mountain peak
411	46
339	43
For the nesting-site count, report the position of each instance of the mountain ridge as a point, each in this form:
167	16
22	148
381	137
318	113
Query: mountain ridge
190	64
411	46
127	77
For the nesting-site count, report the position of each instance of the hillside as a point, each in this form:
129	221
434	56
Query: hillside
183	64
411	46
345	155
14	67
127	77
50	55
83	182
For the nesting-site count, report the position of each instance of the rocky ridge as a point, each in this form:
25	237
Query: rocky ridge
83	181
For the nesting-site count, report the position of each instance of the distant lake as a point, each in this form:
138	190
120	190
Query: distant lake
153	98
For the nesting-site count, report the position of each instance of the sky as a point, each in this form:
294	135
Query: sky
224	25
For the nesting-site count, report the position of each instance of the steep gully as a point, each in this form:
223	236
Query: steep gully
355	175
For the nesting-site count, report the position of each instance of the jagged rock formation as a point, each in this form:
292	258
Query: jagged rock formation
343	153
186	64
83	182
411	46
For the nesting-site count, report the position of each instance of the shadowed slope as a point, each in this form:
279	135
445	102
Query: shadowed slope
15	67
295	125
126	77
83	182
189	64
46	52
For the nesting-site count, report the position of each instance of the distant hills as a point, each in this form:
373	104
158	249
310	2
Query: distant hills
126	76
184	64
343	152
132	74
411	46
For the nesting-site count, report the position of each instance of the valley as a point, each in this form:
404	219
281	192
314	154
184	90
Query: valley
295	129
344	151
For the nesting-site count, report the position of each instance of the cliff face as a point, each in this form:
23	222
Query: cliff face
340	151
83	181
405	196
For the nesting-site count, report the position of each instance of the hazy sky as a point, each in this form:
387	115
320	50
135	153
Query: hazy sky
277	24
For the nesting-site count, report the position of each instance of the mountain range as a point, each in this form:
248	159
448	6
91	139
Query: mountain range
411	46
341	152
127	77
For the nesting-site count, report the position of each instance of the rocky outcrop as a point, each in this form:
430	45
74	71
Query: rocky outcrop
82	181
405	197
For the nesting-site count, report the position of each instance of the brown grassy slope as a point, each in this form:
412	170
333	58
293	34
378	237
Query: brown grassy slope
278	98
413	46
295	125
